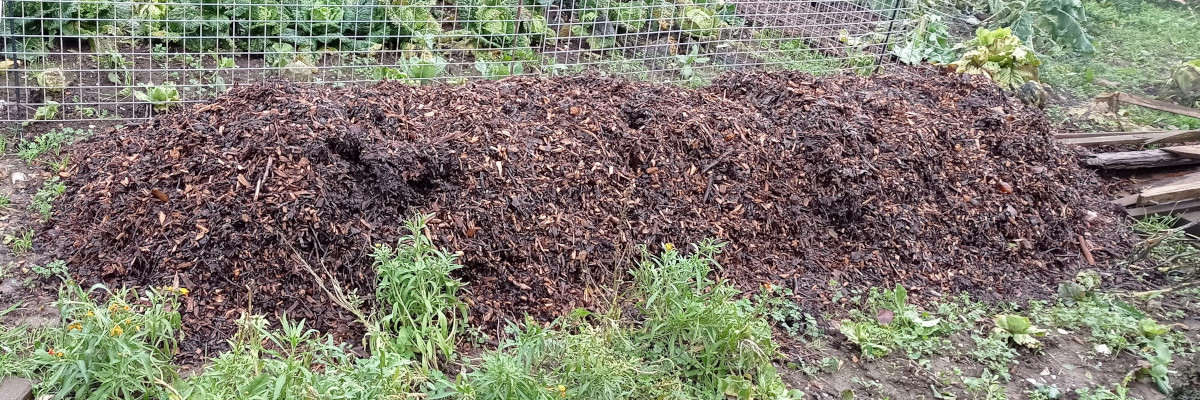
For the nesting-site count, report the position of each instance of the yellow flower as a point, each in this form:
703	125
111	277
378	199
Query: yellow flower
183	291
139	328
117	331
75	326
669	246
126	308
91	314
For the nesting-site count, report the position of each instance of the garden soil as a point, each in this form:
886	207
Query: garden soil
546	188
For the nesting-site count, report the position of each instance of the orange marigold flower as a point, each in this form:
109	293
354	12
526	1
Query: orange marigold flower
117	331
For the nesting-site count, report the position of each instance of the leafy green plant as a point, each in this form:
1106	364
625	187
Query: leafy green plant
56	268
46	112
503	23
695	341
688	61
1119	392
44	198
52	141
265	363
1018	329
60	164
895	324
423	67
999	55
20	244
121	349
928	41
700	21
1060	21
161	96
1156	365
1082	288
987	386
53	80
418	296
994	353
786	314
226	63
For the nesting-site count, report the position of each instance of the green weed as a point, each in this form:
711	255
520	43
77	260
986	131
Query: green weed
985	387
16	346
776	303
56	268
44	198
694	341
20	244
419	298
1119	392
995	354
895	324
52	141
278	363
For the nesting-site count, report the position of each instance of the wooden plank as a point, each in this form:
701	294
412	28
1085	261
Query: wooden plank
1078	135
1137	160
1112	98
1108	138
1126	201
1175	208
1184	151
1186	189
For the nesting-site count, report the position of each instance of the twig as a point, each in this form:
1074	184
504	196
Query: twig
338	298
1183	286
1087	252
264	177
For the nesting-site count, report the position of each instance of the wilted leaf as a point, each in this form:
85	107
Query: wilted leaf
884	316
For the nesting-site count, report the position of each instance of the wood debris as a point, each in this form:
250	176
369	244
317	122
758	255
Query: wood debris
919	177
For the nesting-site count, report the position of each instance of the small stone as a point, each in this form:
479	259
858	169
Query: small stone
18	177
16	389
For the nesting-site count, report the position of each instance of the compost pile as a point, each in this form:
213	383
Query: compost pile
547	186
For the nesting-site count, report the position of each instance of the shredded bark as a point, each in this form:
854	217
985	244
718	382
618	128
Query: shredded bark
546	186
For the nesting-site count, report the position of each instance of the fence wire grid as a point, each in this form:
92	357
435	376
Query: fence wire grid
101	59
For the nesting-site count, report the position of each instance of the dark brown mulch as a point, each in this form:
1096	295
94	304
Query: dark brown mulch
546	185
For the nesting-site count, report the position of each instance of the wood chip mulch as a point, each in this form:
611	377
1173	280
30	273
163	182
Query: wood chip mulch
547	185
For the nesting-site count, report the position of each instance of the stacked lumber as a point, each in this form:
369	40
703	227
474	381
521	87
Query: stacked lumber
1173	167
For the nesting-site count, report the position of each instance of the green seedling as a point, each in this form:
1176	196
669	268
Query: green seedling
161	96
20	244
1019	330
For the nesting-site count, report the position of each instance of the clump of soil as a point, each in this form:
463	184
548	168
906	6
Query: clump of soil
547	185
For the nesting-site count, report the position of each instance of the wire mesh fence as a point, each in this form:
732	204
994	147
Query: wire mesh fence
95	59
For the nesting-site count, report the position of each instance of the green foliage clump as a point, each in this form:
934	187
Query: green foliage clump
895	324
121	349
928	41
52	141
1018	329
694	341
1058	22
418	297
995	354
161	96
44	198
999	55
